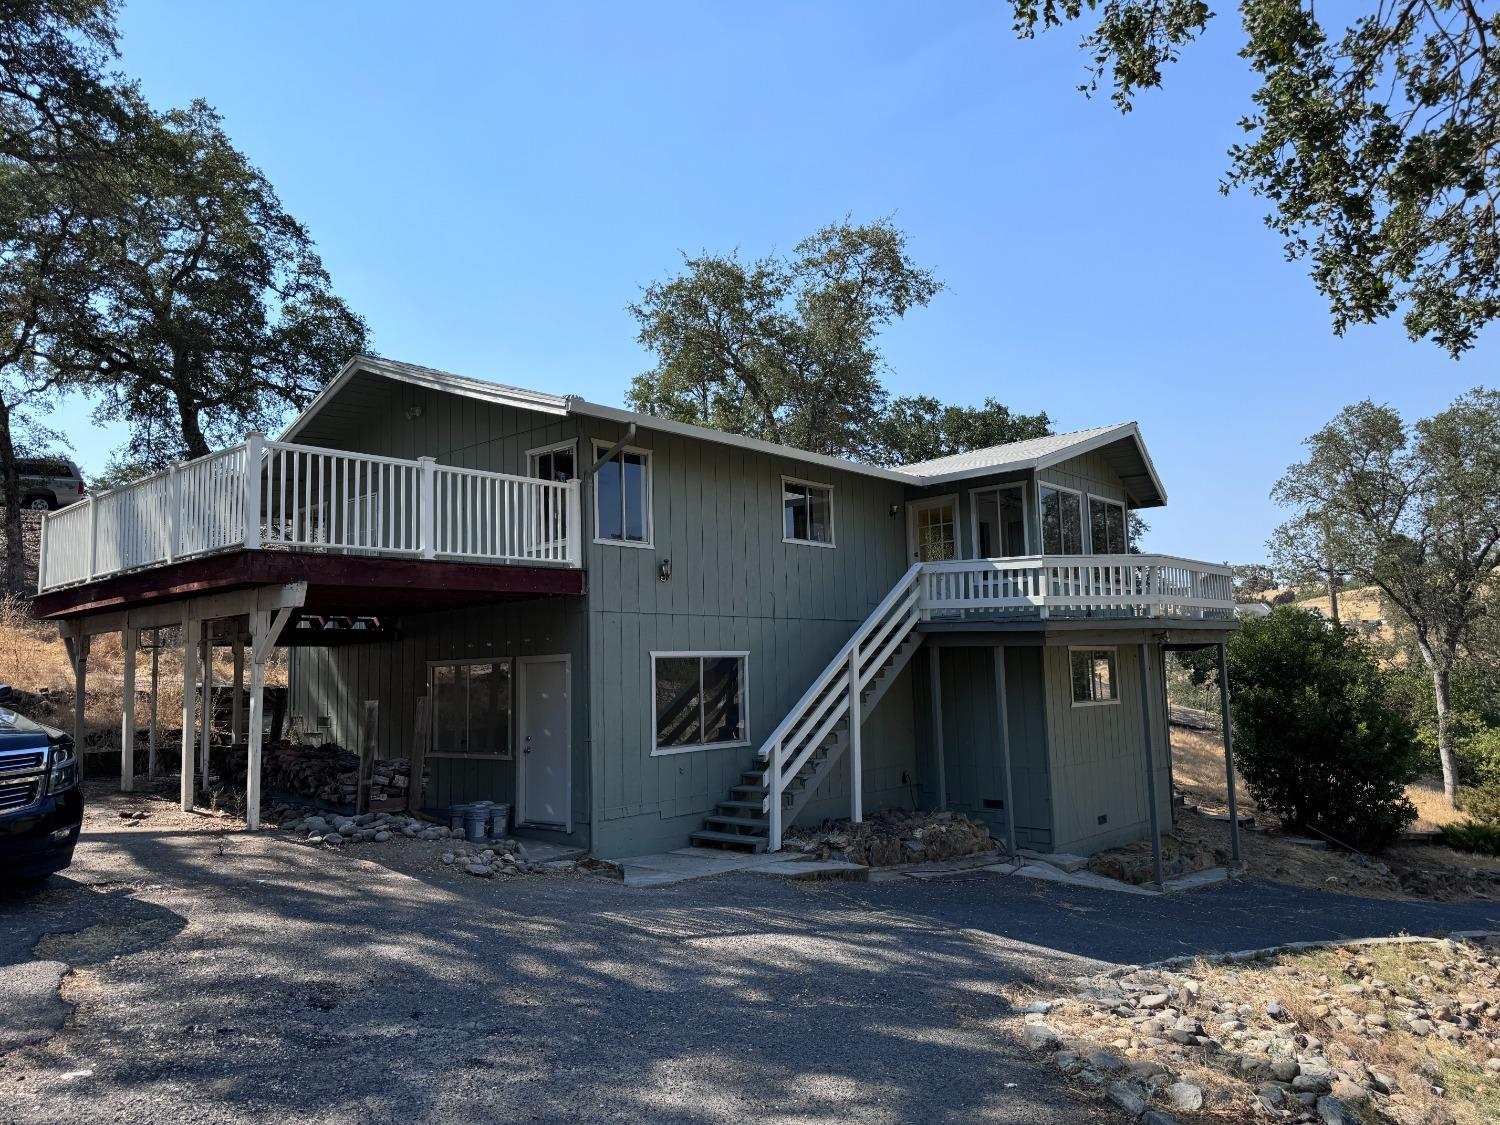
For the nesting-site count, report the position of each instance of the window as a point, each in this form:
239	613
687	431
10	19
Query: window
999	523
806	512
622	497
1107	534
558	463
1094	679
471	702
700	700
1062	521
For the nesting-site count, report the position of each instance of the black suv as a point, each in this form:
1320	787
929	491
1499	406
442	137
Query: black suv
41	808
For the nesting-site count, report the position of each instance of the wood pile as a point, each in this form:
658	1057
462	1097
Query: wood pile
331	773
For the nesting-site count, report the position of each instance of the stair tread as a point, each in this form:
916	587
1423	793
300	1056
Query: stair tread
747	821
756	843
741	804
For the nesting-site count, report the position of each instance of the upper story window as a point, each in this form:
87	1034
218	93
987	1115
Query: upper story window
806	512
1094	679
622	497
999	522
555	463
1062	520
1107	527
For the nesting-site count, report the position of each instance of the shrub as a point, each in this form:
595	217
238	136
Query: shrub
1471	836
1316	744
1482	805
1479	757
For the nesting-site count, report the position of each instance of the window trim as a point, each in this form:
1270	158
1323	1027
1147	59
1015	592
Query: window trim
1083	515
532	455
1088	501
649	543
832	527
510	722
1115	650
1027	516
674	654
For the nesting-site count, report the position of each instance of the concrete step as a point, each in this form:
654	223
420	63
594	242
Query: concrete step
730	840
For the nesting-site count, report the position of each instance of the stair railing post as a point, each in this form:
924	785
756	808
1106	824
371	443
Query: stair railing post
427	509
773	788
573	524
255	443
93	535
856	768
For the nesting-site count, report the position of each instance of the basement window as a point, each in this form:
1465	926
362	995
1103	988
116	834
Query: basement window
1094	678
699	700
471	705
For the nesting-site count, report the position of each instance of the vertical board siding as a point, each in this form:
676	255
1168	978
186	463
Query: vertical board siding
1098	765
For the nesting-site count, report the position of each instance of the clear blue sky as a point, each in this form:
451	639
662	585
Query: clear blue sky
491	184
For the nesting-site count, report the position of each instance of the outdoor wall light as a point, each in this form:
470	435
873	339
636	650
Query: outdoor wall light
895	510
664	570
413	413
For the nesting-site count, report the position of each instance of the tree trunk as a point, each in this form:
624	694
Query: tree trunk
1333	597
193	441
15	548
1440	689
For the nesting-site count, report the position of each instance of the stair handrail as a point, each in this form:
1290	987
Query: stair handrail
770	750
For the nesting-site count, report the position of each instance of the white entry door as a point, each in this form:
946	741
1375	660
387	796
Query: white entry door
932	529
543	781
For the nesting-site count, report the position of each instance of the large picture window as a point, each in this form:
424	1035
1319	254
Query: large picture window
1062	521
806	512
471	705
1107	528
1094	678
999	522
699	700
622	497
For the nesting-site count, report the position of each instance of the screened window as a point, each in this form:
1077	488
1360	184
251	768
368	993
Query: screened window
806	512
999	523
700	700
622	498
1062	521
471	704
1094	679
1107	533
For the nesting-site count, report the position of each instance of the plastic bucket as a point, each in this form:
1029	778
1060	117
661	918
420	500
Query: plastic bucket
456	815
499	820
474	822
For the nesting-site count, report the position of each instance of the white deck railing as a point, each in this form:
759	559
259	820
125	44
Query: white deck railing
1075	585
275	495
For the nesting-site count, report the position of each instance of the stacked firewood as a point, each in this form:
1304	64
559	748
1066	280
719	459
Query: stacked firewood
331	773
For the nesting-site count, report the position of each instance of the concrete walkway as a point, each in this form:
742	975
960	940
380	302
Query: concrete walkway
666	868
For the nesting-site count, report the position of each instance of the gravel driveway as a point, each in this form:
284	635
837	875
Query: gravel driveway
218	978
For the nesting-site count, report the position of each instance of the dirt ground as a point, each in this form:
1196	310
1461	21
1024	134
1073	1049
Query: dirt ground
1416	871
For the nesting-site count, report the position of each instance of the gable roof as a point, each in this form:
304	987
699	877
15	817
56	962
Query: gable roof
1120	444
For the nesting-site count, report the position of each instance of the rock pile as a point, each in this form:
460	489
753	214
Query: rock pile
331	773
1175	1041
336	829
894	837
1133	863
505	858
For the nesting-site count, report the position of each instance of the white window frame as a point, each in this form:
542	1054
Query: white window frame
1088	501
832	529
1114	681
649	543
533	455
1027	517
667	751
510	722
1083	517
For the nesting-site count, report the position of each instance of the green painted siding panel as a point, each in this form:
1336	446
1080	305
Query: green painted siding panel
1098	764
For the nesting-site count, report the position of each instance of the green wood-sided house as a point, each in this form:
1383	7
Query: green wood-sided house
642	633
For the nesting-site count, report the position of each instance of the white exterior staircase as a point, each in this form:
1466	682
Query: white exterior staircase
803	750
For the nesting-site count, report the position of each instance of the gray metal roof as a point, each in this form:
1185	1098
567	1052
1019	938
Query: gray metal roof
1120	444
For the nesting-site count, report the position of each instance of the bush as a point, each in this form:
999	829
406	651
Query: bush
1316	744
1479	757
1471	836
1482	805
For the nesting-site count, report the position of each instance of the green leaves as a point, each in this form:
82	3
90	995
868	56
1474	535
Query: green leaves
1376	145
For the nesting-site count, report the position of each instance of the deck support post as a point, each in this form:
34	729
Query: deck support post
1002	717
128	639
237	704
1234	812
265	627
856	763
205	733
189	707
151	763
1145	677
935	688
77	643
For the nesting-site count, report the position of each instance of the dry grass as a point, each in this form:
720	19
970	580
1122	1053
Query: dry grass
1433	810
